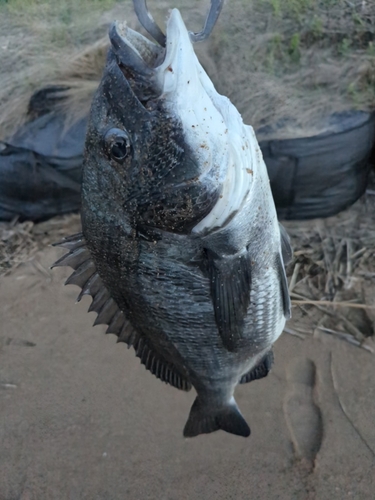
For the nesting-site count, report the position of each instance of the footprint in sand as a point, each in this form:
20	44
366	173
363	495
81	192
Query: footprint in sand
302	414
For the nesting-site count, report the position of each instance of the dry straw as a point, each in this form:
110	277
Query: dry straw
276	60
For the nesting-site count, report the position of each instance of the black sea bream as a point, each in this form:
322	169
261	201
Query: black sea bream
181	248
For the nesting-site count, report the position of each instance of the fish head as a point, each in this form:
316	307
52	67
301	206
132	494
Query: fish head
163	148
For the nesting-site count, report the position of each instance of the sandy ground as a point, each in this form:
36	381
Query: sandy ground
80	418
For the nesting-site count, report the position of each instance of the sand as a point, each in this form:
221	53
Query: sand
80	418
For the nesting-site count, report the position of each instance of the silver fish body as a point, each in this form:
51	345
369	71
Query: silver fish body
184	253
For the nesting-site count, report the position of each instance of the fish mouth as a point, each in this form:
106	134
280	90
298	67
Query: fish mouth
153	70
172	78
137	58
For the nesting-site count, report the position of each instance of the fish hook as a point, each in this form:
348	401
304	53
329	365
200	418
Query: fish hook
148	22
211	20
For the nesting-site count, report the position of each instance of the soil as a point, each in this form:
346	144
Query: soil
82	419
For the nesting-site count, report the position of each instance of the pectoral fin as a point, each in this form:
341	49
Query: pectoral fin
287	254
230	291
284	287
286	248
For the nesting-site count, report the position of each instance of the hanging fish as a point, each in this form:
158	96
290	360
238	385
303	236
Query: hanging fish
181	249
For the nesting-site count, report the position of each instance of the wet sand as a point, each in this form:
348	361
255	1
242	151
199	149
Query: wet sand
80	418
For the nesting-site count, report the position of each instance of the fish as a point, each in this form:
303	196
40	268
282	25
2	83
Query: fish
180	249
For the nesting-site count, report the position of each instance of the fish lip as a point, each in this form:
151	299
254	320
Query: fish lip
136	57
143	62
133	49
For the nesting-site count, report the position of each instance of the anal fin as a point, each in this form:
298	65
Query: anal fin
158	366
260	371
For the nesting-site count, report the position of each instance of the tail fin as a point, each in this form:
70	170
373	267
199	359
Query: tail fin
204	419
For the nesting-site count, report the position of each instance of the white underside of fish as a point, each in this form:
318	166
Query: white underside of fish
212	125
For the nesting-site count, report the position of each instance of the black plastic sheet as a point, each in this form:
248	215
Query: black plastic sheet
36	187
41	169
321	175
41	165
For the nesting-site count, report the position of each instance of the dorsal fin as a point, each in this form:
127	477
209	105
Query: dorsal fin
86	276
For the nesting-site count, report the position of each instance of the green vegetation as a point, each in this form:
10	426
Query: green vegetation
344	47
294	47
327	20
312	32
316	27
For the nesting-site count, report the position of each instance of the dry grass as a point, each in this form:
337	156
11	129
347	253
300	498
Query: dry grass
80	73
295	59
49	41
19	242
275	59
334	262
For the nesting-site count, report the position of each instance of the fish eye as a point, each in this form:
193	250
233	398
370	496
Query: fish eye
117	143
